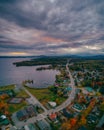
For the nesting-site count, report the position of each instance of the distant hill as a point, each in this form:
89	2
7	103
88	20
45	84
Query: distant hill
22	56
55	60
59	56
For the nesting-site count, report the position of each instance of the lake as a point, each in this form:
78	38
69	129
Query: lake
10	74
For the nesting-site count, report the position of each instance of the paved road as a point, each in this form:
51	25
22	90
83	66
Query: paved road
47	112
33	100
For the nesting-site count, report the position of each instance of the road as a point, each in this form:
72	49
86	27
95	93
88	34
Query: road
33	100
47	112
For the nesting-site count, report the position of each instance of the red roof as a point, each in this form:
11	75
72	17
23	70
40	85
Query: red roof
52	116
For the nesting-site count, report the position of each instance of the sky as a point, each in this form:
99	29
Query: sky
51	27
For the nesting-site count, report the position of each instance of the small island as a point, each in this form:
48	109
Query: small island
44	68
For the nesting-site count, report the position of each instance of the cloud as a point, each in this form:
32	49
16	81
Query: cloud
51	26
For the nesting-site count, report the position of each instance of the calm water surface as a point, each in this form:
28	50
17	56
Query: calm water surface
10	74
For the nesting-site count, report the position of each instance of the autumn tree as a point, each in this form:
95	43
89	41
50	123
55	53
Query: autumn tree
73	121
82	121
66	126
102	106
3	106
89	108
4	96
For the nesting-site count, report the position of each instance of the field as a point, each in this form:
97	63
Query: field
16	107
7	87
45	95
22	93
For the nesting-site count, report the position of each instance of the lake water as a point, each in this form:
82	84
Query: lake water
10	74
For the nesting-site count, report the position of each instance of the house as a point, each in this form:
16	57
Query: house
100	125
91	119
53	116
30	110
68	89
43	125
32	127
66	113
3	120
22	115
89	89
77	107
52	104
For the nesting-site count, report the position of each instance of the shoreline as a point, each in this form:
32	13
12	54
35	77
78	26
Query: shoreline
7	85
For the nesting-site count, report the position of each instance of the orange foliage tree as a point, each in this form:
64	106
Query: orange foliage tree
3	106
73	121
68	125
82	121
3	96
89	108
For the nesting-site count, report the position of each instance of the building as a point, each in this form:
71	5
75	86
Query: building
89	89
100	125
66	113
52	104
22	115
32	127
77	107
53	116
3	120
43	125
30	110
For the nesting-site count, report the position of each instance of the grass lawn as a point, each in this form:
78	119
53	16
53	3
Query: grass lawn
44	95
15	107
7	87
22	93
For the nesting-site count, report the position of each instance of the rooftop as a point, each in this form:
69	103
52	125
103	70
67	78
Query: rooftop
89	89
53	116
101	122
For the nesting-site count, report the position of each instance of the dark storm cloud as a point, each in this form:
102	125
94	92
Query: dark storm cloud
24	13
51	24
44	46
45	15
